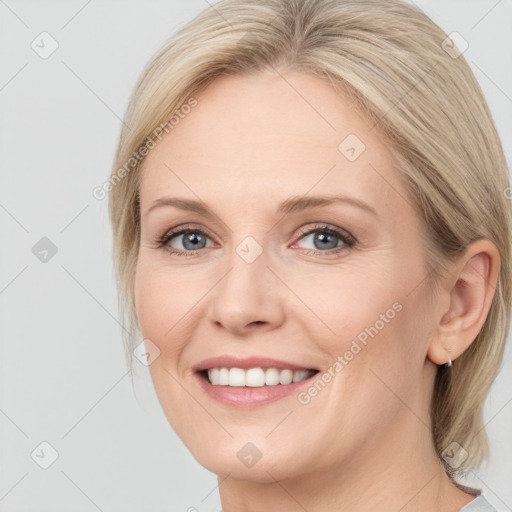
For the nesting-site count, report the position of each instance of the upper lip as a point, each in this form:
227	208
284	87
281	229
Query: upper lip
246	363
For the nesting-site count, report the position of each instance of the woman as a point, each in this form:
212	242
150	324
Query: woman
312	235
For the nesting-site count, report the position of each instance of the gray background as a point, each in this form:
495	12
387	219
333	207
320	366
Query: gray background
62	373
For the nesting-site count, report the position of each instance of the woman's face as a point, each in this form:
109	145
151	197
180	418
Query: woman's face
267	271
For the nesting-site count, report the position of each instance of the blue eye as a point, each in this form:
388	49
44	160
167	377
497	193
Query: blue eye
190	239
325	239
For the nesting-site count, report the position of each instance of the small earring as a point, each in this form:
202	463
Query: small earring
448	364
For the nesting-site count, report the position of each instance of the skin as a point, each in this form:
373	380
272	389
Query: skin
364	442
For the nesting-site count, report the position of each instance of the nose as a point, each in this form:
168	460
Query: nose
248	298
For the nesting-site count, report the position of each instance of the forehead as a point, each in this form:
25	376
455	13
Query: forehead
263	136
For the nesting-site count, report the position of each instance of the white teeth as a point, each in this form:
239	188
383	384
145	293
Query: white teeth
256	377
286	377
300	375
272	377
223	377
236	377
213	375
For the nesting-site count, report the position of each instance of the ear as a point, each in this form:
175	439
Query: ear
471	284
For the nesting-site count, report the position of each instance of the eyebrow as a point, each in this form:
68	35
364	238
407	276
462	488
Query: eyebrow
290	205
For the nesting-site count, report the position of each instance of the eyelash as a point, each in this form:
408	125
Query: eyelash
347	239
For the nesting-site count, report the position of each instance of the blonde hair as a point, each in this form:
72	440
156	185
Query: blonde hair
393	62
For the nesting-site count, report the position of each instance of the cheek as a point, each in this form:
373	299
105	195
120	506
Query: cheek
361	305
375	322
162	314
382	355
162	305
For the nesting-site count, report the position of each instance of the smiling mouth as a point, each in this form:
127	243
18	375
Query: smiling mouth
255	377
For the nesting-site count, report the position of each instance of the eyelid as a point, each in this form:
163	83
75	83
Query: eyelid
324	226
347	239
185	227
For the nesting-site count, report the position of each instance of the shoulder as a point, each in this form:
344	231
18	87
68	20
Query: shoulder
479	504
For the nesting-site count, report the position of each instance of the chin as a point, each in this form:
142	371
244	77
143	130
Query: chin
243	461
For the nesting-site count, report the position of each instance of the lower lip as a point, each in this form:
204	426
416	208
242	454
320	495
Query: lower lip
248	397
